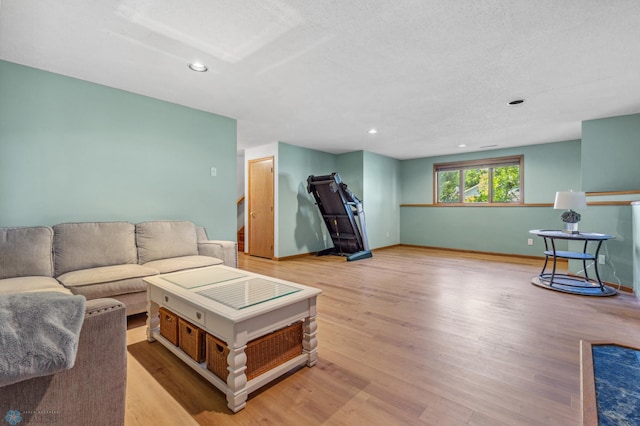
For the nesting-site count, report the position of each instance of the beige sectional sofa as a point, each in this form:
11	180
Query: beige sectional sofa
105	259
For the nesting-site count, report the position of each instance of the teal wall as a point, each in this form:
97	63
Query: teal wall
76	151
381	199
373	178
351	169
611	154
547	168
617	221
486	229
300	225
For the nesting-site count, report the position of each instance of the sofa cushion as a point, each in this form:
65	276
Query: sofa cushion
165	239
112	289
26	252
183	262
105	274
31	284
201	233
107	281
93	244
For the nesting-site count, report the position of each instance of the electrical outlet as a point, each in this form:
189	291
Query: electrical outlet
602	259
530	241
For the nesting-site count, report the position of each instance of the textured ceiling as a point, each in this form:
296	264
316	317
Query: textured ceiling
429	74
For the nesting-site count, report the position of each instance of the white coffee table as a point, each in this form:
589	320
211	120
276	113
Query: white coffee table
235	306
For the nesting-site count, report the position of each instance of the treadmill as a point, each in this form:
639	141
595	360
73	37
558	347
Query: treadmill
339	208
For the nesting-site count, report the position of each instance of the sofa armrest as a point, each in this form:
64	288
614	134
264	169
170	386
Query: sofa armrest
95	307
225	250
94	390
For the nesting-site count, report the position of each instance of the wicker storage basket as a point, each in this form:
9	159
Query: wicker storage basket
191	340
169	325
263	353
217	352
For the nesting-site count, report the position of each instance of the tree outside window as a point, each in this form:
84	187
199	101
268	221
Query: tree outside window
480	182
448	186
476	186
506	184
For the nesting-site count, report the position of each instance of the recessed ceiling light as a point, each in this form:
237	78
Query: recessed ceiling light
516	102
372	131
198	67
462	145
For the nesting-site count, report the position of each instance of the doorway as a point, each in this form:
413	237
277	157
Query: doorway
260	218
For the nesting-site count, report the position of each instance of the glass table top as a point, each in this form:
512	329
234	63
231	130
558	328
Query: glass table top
245	293
201	277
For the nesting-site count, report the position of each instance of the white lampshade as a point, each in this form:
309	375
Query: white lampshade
570	200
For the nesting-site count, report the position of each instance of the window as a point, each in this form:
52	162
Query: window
480	182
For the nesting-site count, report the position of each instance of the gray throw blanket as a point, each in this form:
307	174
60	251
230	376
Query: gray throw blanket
39	334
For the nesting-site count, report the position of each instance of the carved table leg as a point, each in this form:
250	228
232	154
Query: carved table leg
309	340
237	380
153	319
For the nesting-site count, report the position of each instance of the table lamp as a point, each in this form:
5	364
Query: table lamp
569	200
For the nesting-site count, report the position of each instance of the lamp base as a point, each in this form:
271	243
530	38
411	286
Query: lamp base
571	228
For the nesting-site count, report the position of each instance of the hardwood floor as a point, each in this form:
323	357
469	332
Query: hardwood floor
410	336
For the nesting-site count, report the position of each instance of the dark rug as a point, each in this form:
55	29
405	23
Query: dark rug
617	381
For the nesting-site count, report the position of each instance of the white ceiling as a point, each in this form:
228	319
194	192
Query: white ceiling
428	74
